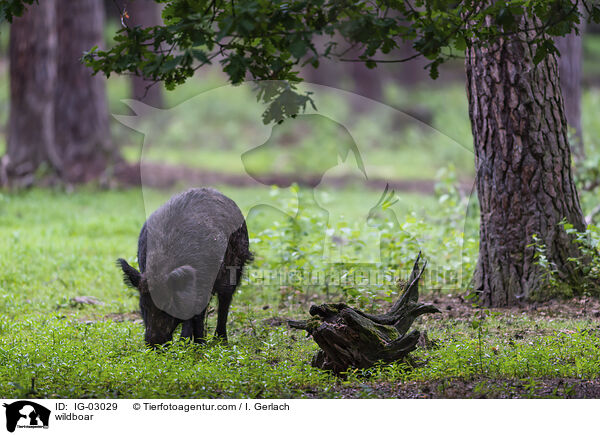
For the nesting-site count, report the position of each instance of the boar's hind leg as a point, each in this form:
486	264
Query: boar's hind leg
186	329
224	302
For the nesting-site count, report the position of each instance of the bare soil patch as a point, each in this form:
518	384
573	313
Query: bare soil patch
457	307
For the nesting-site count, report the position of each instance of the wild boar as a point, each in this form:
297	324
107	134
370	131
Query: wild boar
193	246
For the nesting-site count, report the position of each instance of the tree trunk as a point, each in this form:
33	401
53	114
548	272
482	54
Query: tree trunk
413	72
81	121
367	82
570	66
522	158
145	13
30	141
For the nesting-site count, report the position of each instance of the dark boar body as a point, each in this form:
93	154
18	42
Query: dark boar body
192	247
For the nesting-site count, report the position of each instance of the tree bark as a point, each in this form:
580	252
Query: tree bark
570	69
145	13
523	163
30	141
81	121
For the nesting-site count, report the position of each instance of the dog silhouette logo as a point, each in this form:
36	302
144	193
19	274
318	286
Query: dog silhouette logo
26	414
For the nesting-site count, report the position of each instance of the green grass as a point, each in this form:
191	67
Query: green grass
69	357
546	348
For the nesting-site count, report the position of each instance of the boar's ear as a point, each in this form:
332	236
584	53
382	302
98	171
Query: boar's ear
183	282
131	277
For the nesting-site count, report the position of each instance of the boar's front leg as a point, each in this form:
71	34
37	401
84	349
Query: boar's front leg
198	327
186	329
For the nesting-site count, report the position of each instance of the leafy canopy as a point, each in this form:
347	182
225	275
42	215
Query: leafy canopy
271	39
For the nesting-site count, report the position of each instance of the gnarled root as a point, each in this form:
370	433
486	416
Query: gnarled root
349	337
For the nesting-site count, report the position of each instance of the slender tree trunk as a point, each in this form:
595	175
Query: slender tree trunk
522	157
32	78
367	82
81	121
351	76
570	69
328	73
145	13
412	72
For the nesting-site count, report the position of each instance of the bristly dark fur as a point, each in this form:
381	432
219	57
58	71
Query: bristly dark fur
237	256
131	277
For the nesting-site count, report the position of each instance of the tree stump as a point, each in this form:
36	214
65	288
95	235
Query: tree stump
350	338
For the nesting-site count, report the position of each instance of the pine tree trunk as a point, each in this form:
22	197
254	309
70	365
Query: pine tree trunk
522	158
81	121
145	13
570	68
30	141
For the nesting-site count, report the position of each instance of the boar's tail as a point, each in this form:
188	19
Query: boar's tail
244	246
131	277
238	249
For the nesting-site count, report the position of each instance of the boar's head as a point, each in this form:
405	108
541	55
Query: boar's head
159	324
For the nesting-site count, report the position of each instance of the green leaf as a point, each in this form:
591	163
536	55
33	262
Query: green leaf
298	48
